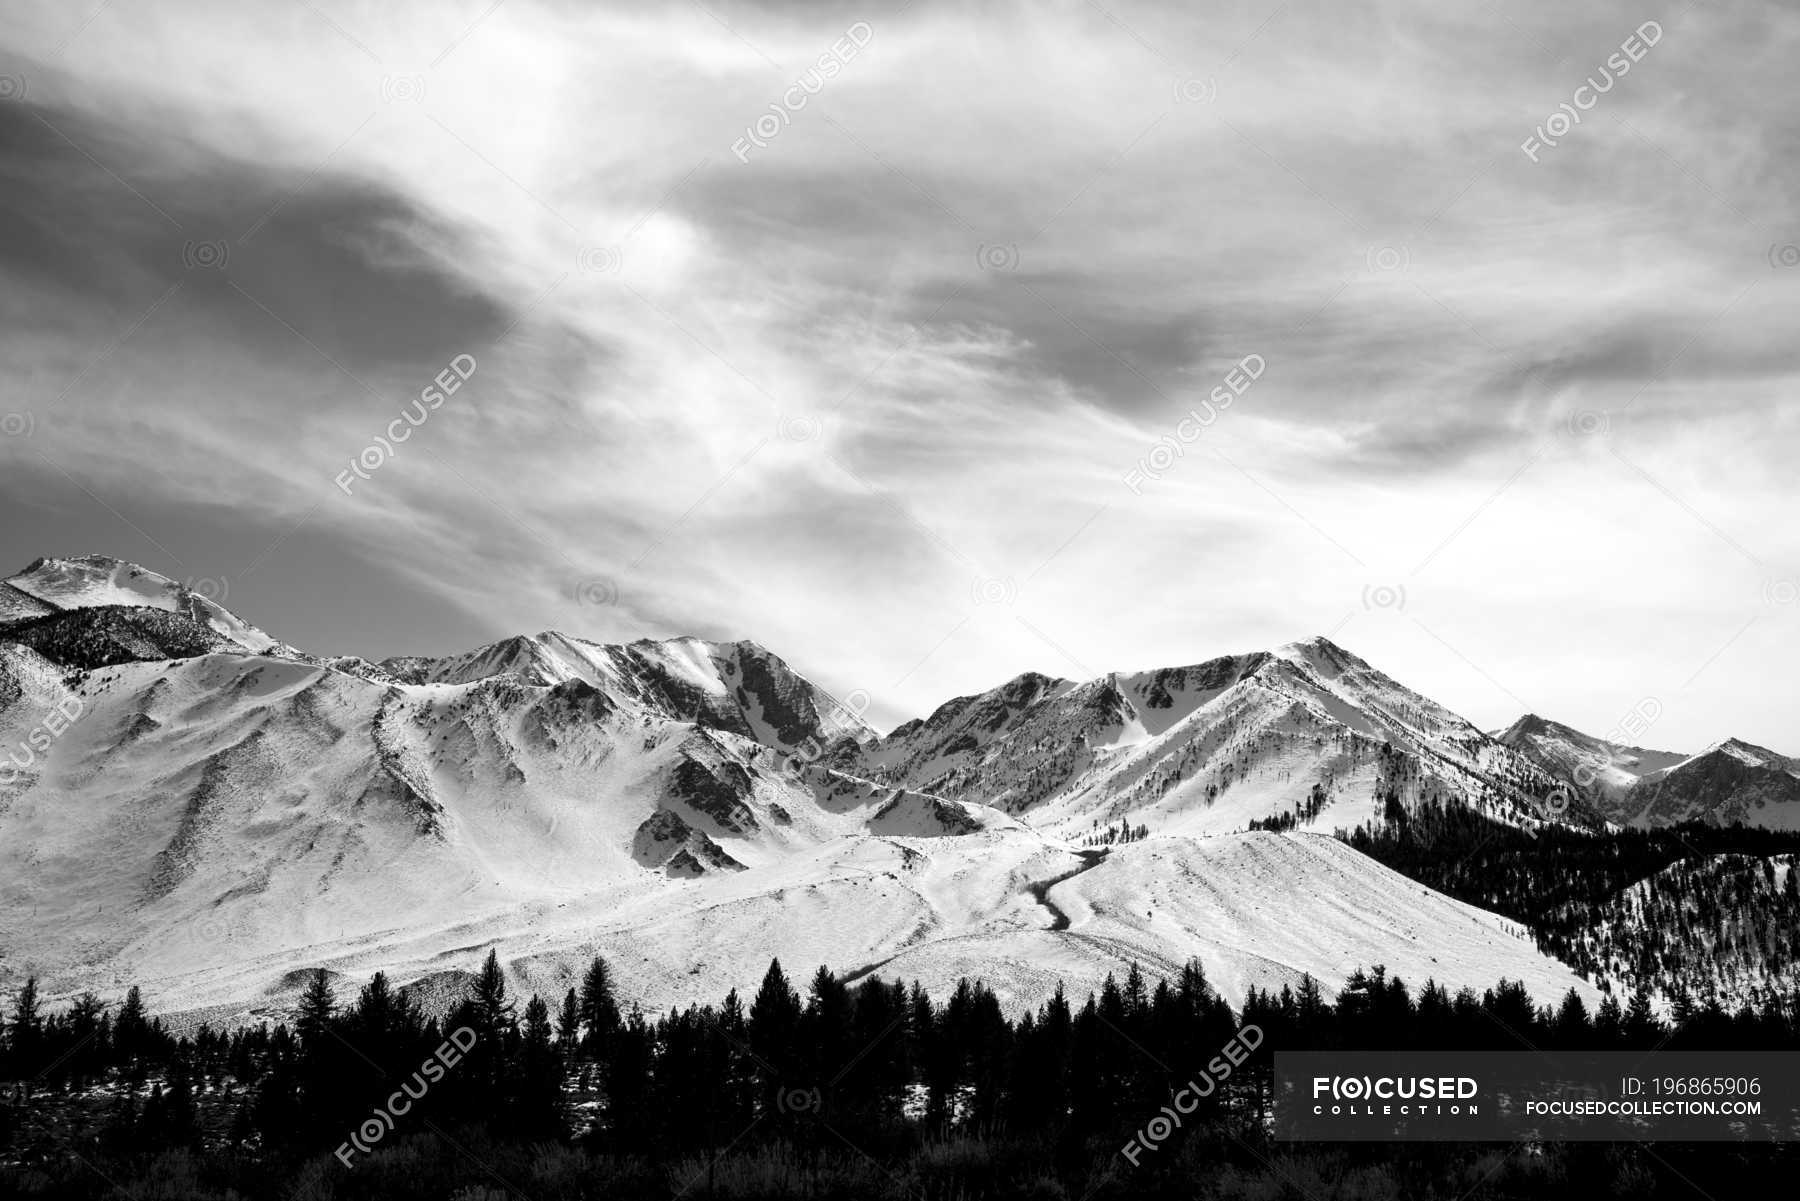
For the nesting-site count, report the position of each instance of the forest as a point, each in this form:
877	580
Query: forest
1699	910
805	1090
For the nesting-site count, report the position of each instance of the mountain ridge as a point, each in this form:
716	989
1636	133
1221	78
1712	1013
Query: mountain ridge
216	822
1731	780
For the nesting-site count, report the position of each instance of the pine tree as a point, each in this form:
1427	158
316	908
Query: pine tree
1572	1028
1310	1007
86	1025
774	1029
568	1025
599	1009
1136	996
628	1126
1609	1022
825	1028
493	1011
131	1029
324	1083
1642	1029
1681	1008
25	1032
1090	1107
737	1077
540	1113
317	1006
375	1017
489	1015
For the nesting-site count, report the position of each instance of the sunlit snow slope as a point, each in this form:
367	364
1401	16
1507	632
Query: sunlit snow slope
189	805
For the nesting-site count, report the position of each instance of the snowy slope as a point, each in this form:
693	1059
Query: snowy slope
1731	781
95	581
1569	754
212	886
226	812
1204	749
214	823
1248	906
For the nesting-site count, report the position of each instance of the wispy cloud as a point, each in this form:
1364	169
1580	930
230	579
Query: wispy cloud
871	395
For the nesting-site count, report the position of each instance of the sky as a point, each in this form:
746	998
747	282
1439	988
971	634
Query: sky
926	344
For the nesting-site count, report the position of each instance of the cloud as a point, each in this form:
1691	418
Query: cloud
841	396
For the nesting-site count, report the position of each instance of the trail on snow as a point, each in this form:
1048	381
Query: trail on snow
1059	920
1040	892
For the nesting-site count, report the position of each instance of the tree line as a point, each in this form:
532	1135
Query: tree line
875	1063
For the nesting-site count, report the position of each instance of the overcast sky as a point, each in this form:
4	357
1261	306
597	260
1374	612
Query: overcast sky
872	390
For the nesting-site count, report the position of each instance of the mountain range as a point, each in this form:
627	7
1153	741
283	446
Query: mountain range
193	806
1730	782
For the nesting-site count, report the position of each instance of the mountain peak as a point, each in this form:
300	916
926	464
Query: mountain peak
55	570
82	560
1314	644
1528	725
1749	753
106	582
1321	654
1031	681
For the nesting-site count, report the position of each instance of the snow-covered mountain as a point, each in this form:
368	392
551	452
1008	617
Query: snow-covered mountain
737	687
1603	770
42	603
1308	728
1732	781
190	805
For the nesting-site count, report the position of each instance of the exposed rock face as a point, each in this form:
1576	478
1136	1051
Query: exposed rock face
1734	782
667	842
916	815
717	788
